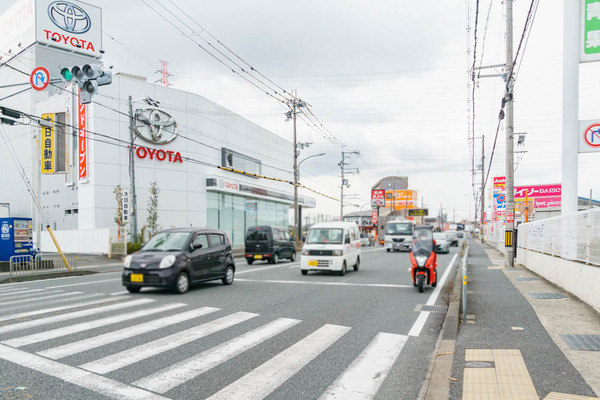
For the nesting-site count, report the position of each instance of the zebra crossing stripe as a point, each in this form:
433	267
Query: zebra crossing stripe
175	375
21	301
364	376
86	326
125	333
17	293
54	309
77	314
99	384
263	380
146	350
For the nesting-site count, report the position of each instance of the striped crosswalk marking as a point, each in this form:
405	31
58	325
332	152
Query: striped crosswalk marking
44	298
19	293
135	354
125	333
99	384
263	380
364	376
167	379
73	315
54	309
86	326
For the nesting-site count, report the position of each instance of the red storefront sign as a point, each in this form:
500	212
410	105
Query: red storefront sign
499	181
377	197
374	217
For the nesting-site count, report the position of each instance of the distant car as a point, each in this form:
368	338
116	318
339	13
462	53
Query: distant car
452	238
442	245
269	243
460	234
177	258
365	240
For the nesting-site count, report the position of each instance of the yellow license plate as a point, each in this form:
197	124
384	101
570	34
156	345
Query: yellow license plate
313	263
137	278
258	256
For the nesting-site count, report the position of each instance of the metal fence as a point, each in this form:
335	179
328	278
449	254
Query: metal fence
580	233
41	264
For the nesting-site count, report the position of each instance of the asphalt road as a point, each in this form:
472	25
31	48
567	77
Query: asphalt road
272	334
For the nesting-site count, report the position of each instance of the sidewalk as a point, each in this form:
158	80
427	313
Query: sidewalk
511	345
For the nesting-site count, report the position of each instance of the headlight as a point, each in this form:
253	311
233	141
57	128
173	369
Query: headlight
337	253
421	260
305	252
167	261
127	262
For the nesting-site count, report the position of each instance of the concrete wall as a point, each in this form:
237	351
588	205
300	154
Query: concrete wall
575	277
87	241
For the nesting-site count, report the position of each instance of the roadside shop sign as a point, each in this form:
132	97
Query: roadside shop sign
374	217
589	47
377	197
589	136
499	181
418	212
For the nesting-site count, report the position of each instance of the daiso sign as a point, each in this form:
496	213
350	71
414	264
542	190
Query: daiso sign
535	191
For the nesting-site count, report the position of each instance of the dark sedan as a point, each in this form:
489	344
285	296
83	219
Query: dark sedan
178	258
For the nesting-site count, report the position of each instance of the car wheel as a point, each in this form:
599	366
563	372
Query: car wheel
357	265
388	250
304	271
249	261
343	271
293	257
420	282
229	275
182	284
133	289
275	259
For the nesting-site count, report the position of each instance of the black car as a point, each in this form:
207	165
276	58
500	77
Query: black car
178	258
269	243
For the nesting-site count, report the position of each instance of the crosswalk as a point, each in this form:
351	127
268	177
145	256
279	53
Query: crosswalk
85	340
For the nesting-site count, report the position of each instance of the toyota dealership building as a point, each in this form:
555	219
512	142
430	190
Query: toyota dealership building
193	149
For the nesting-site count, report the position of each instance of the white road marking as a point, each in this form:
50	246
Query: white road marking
261	269
17	292
86	326
326	283
263	380
77	314
122	334
422	318
85	283
99	384
175	375
44	298
146	350
119	293
364	376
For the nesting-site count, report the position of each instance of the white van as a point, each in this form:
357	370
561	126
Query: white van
331	246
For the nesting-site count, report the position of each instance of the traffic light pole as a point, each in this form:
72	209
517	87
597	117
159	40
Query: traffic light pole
134	237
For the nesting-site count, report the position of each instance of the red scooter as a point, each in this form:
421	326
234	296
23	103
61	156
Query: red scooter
423	258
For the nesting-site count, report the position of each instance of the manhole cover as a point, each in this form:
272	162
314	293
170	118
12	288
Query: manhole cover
480	364
582	342
547	296
431	308
524	279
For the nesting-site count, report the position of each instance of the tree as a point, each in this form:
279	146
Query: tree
119	214
152	220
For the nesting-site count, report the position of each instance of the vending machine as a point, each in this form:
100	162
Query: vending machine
16	237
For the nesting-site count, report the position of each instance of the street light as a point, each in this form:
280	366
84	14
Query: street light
296	178
301	161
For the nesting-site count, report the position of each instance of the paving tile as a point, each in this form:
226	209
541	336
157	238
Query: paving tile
479	355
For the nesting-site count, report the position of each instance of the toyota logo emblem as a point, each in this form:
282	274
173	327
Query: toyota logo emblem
155	126
69	17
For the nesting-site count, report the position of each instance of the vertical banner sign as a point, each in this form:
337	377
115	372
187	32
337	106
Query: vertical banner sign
590	31
83	150
374	217
48	145
125	206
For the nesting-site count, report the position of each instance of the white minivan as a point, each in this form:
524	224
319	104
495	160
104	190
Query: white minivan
331	246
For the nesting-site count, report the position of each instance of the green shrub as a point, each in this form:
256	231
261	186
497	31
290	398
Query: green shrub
133	247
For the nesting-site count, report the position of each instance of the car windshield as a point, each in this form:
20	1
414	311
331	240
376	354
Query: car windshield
257	234
398	229
325	235
167	241
439	236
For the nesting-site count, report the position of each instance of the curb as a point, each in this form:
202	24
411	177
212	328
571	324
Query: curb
437	380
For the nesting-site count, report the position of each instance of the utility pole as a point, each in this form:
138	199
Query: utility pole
342	164
482	186
294	104
132	175
510	184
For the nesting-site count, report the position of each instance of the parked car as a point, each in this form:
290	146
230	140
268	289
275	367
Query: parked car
441	242
269	243
178	258
452	238
366	240
331	246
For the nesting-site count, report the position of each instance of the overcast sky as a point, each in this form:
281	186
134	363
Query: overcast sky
386	78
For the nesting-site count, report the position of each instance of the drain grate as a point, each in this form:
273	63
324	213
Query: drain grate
547	296
582	342
480	364
421	307
526	279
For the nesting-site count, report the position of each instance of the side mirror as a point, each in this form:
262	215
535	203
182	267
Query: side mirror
347	241
197	246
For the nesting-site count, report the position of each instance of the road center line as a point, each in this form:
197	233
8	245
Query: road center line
325	283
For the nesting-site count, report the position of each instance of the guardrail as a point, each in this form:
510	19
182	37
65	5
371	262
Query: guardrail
464	283
41	264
